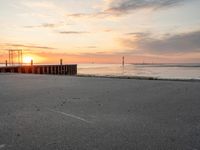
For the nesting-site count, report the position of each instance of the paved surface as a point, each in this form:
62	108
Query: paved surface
39	112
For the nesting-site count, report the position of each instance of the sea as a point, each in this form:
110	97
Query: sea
158	71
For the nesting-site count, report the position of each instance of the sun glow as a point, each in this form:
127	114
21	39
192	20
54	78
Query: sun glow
27	59
35	58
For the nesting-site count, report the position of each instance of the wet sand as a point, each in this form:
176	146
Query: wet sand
44	112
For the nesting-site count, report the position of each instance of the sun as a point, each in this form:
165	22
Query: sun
27	59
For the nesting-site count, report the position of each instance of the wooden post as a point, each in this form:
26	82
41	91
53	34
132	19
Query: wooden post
18	57
32	66
59	69
56	68
53	69
47	69
31	62
21	59
19	70
66	69
43	70
38	70
9	57
123	61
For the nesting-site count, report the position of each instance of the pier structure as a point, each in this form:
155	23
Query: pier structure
42	69
15	65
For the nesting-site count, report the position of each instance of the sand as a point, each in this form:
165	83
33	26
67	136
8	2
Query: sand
44	112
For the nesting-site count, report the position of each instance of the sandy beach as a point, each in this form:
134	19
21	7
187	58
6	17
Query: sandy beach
44	112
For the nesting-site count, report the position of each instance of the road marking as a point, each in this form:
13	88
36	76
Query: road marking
71	115
2	146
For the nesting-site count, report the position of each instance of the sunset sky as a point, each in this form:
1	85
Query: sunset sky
101	31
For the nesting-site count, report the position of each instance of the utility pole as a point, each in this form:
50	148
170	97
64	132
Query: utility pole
9	57
123	61
6	63
21	56
15	56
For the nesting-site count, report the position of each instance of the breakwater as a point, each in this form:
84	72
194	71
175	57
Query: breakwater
42	69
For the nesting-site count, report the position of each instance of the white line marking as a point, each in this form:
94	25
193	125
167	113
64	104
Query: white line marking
2	146
71	115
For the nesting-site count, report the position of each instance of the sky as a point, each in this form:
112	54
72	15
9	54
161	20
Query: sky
101	31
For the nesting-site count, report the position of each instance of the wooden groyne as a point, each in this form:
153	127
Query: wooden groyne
42	69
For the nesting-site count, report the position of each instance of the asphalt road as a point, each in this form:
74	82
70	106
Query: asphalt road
39	112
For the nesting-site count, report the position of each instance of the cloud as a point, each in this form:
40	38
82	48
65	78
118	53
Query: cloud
119	7
73	32
138	34
179	43
123	7
79	15
29	46
45	25
96	15
92	47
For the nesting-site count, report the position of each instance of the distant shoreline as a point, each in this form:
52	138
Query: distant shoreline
167	65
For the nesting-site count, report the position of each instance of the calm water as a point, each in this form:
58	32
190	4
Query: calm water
163	71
